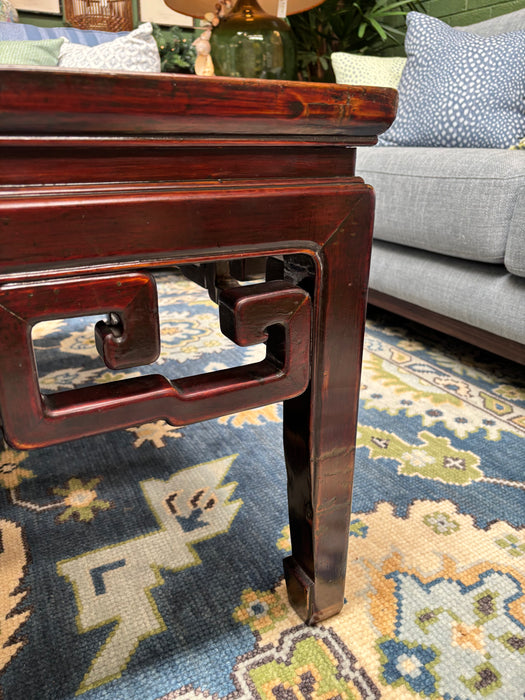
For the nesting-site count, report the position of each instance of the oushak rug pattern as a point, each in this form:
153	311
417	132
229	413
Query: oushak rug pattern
147	563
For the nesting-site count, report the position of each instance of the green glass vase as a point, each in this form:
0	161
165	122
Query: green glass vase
249	43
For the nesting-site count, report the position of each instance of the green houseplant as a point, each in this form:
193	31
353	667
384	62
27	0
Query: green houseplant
176	50
361	26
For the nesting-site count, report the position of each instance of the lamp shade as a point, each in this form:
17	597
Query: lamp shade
198	8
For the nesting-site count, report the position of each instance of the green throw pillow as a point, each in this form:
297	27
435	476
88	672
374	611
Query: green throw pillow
31	53
379	71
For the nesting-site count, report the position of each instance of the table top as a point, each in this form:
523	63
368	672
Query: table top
47	102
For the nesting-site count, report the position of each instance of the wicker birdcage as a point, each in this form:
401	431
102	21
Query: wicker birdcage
105	15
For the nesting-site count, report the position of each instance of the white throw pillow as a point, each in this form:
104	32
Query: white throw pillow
137	52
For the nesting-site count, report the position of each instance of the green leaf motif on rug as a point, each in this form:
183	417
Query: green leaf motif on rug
501	408
485	680
310	670
512	545
358	528
80	499
515	643
381	370
435	458
399	384
441	523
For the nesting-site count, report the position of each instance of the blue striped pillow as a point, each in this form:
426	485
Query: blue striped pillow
11	31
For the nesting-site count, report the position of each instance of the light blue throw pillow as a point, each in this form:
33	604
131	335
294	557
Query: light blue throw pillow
459	89
10	31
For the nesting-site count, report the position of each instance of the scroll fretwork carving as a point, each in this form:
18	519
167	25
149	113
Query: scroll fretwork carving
273	312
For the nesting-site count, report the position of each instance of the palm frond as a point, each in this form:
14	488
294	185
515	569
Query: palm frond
361	26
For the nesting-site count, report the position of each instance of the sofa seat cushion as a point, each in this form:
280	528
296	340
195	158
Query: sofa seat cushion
484	296
460	202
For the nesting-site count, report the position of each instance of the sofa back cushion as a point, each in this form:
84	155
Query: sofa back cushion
465	203
510	22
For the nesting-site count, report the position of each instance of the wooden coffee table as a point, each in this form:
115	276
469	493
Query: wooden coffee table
107	177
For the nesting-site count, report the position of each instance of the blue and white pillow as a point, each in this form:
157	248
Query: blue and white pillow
136	51
459	89
9	31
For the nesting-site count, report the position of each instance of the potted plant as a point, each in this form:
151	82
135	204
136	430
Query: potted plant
361	26
176	50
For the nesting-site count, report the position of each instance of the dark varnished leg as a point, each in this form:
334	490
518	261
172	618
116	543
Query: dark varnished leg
320	425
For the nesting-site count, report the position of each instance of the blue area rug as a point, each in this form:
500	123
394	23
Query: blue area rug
147	563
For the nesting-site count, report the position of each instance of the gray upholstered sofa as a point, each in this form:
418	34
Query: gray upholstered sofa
449	236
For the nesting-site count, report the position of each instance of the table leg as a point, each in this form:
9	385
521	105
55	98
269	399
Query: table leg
320	425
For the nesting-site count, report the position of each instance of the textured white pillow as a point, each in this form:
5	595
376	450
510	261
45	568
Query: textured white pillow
376	71
137	51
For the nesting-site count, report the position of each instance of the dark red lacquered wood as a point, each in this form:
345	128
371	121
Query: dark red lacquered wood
180	221
275	312
129	103
320	425
107	174
131	337
52	160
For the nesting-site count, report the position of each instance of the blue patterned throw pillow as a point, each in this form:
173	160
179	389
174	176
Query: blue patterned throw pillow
459	89
9	31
